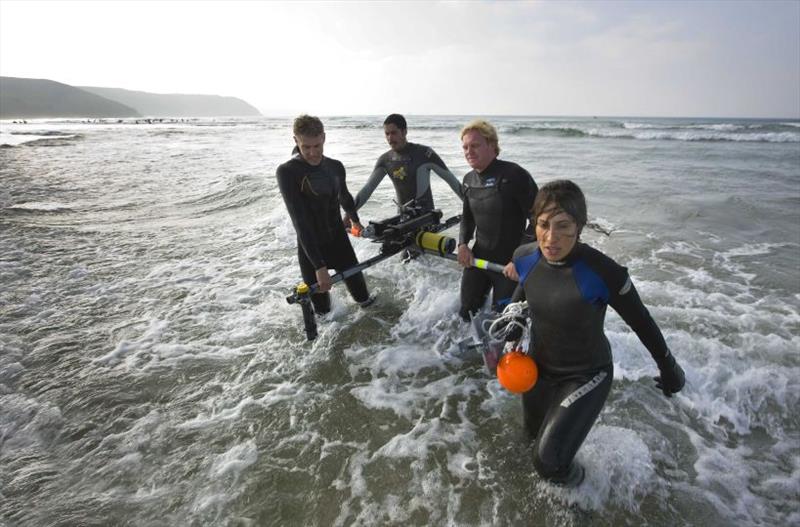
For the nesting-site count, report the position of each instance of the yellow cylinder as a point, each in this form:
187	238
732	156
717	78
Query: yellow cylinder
431	241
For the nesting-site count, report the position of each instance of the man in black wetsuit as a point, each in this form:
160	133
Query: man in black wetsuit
568	286
409	166
497	200
313	188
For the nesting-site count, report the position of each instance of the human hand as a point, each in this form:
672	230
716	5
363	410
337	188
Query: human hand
323	280
510	272
672	377
356	228
346	220
465	258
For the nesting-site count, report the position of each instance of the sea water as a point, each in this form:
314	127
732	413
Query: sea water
152	373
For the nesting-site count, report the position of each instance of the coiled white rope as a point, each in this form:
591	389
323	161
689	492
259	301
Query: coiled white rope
501	326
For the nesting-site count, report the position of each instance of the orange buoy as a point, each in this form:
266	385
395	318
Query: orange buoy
517	372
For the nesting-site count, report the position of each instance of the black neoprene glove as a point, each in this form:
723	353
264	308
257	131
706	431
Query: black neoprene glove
672	377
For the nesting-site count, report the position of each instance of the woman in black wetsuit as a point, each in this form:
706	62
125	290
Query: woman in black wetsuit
568	285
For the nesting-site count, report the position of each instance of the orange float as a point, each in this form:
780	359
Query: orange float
517	372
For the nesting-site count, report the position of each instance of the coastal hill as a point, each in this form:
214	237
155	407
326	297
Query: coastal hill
37	98
176	105
32	98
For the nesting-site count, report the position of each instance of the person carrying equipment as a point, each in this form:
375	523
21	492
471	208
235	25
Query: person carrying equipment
313	188
568	286
497	199
409	166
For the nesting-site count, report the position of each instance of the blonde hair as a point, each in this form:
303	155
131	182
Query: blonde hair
486	130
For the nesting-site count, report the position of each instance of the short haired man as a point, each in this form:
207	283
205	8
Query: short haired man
409	167
498	196
313	188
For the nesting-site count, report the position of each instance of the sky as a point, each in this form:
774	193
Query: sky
709	58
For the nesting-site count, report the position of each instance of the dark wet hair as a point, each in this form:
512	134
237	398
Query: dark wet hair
308	125
397	120
565	196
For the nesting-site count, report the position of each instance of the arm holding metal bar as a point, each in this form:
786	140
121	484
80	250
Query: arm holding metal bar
443	246
478	262
394	235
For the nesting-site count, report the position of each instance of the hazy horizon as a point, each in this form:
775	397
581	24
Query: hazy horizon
716	59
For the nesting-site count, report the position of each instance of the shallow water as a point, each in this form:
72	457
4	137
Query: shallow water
152	373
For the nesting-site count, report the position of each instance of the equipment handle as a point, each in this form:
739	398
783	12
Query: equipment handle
296	297
396	234
309	320
478	262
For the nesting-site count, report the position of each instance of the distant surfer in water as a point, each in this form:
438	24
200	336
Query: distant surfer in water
497	199
568	286
313	188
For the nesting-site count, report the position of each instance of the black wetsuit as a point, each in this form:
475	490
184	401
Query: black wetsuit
567	304
313	195
497	203
410	172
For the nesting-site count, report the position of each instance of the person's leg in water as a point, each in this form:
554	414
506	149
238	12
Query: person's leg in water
342	257
320	301
475	285
559	411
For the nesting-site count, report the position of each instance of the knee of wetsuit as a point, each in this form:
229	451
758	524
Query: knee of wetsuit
322	303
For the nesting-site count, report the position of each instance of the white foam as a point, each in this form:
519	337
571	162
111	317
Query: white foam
123	348
619	471
44	206
724	476
214	417
26	422
223	409
136	437
235	460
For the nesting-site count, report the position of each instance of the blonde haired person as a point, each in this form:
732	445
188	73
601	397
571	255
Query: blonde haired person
498	196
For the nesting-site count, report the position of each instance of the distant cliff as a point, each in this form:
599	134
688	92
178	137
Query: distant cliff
31	98
176	105
45	98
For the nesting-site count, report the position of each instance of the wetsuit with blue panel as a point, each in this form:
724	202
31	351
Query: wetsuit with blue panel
497	203
567	304
410	172
313	195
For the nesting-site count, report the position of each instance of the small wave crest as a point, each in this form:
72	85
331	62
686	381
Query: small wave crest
239	191
770	132
557	131
690	135
40	206
40	138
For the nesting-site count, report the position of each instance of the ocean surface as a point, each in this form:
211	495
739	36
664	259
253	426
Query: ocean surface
152	373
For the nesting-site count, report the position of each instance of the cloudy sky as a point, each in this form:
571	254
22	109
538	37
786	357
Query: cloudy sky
623	58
